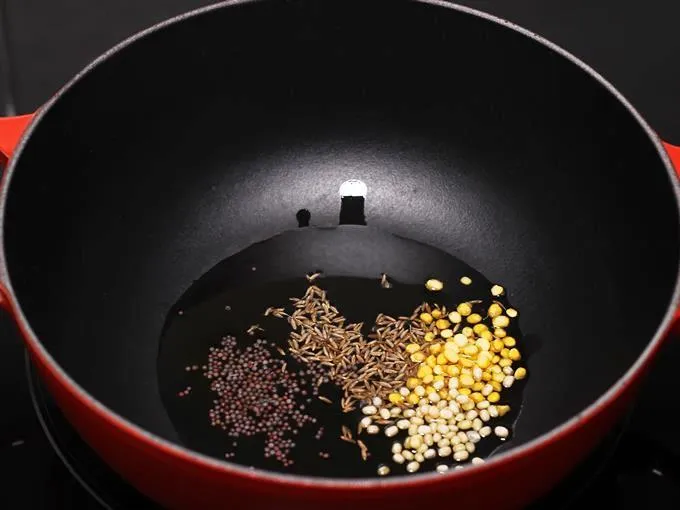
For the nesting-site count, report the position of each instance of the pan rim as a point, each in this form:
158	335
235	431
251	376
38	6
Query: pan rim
296	481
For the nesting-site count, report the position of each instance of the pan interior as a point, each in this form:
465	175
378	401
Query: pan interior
207	136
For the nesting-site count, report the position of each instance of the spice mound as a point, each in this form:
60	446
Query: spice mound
431	389
362	366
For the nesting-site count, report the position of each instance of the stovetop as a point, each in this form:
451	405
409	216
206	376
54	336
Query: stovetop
633	44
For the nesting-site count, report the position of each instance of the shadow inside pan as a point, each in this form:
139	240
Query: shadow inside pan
233	295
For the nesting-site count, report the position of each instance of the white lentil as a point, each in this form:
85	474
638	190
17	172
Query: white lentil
434	412
444	451
409	413
470	447
459	417
412	467
461	456
377	401
484	415
408	455
398	458
497	290
372	429
485	431
417	420
385	414
462	436
419	457
434	285
434	397
428	440
484	404
444	442
453	383
508	380
459	466
459	447
477	373
511	312
446	413
430	453
404	391
500	322
442	428
463	425
455	440
416	441
412	430
477	424
391	431
501	432
438	385
396	447
365	422
419	390
442	468
369	410
395	411
383	470
471	415
424	429
422	448
477	460
473	436
461	399
493	411
508	371
487	390
455	408
403	424
436	437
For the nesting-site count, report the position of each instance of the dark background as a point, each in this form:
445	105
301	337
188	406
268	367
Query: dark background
634	45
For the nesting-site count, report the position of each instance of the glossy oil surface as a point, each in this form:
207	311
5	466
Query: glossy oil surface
233	296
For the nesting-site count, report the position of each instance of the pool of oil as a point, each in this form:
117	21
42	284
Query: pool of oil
233	296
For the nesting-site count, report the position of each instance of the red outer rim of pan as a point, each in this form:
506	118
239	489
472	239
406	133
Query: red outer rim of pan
208	463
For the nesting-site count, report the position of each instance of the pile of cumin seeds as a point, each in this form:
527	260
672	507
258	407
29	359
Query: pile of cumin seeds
385	366
362	366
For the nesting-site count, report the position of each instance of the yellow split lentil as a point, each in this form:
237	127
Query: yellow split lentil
474	318
464	309
426	318
442	324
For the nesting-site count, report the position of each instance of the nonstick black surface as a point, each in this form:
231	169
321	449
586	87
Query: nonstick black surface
470	137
